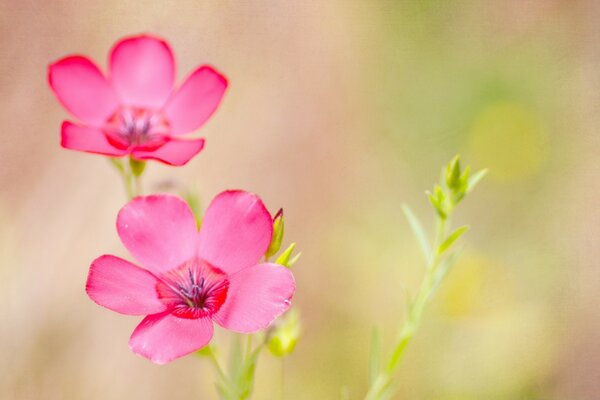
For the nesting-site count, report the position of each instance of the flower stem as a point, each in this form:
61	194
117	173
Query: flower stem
216	364
282	377
382	382
131	174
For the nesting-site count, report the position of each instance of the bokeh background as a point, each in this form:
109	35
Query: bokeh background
339	111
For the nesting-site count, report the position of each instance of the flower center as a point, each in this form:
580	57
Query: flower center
193	290
136	127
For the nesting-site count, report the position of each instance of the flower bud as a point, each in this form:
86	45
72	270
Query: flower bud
285	334
453	178
277	238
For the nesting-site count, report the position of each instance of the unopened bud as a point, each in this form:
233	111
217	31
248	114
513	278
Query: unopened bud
277	238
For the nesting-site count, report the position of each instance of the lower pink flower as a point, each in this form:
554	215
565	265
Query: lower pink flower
191	279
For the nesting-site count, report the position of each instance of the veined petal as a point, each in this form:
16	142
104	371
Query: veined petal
256	296
161	338
88	139
159	231
142	71
196	100
174	152
82	89
236	231
123	287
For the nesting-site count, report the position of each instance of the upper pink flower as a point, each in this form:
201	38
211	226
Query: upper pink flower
136	109
191	279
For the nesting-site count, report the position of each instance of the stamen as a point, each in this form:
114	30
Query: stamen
136	127
193	290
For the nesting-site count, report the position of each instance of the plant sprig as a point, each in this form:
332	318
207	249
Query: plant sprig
454	185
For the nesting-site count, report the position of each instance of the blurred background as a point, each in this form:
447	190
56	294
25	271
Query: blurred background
339	111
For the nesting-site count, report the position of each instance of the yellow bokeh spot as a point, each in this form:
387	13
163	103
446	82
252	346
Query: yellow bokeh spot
476	286
510	140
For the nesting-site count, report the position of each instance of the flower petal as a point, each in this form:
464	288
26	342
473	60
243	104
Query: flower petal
88	139
236	231
82	89
196	100
161	338
142	71
159	231
123	287
175	152
256	296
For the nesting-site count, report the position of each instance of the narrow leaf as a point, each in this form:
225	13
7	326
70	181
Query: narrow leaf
418	231
293	260
453	237
284	258
474	180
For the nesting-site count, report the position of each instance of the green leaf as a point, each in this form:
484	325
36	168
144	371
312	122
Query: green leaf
294	260
375	355
418	231
246	382
453	237
284	258
474	180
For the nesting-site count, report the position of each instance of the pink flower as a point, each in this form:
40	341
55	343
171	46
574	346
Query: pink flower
135	110
190	280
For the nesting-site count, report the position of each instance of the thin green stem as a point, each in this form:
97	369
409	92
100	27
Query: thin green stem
131	181
282	377
248	346
216	364
413	319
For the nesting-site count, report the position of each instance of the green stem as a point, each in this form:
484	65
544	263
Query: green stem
282	377
413	319
131	179
217	366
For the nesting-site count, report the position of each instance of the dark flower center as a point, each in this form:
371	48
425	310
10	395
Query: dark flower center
194	290
131	127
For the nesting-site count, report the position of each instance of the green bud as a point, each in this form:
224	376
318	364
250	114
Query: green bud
277	238
453	174
285	334
438	200
137	167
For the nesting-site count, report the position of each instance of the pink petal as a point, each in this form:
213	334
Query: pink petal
88	139
196	100
82	89
236	231
142	71
161	338
123	287
256	296
175	152
159	231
